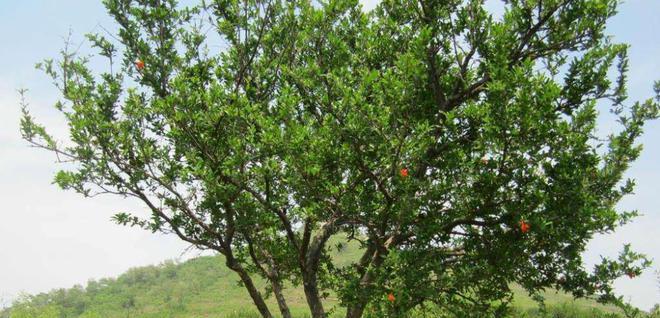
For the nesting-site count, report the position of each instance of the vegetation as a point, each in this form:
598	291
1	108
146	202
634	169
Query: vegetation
204	287
458	149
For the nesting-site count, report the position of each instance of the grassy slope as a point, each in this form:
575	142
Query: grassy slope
200	287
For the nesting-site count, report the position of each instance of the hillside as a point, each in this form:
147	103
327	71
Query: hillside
203	287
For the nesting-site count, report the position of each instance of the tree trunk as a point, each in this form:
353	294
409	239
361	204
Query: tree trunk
372	257
281	302
312	295
252	290
355	311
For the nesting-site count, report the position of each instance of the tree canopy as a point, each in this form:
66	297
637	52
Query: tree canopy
460	149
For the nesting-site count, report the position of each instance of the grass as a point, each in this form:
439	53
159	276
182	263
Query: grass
204	287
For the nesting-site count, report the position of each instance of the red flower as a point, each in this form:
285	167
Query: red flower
139	64
390	297
524	226
403	172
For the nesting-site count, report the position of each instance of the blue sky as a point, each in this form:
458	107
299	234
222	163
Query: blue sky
51	239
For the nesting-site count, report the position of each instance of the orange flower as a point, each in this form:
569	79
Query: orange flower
524	226
403	172
390	297
139	64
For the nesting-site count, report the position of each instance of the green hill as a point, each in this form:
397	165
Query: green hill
203	287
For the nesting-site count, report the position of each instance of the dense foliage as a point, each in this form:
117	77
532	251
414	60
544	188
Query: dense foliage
458	148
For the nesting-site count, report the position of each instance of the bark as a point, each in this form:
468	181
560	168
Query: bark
372	258
357	309
310	268
275	281
279	296
252	289
314	302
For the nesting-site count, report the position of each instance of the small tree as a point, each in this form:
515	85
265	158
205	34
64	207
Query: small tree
458	148
128	304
